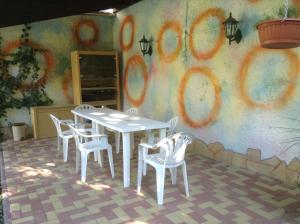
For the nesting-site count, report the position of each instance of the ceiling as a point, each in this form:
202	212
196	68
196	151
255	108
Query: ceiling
15	12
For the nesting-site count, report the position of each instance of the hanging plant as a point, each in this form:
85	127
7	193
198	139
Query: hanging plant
280	33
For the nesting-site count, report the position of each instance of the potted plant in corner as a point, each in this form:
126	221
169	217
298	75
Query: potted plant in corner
280	33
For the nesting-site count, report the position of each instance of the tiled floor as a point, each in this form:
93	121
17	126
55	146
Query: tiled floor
38	187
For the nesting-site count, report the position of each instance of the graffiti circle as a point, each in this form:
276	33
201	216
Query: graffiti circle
212	115
88	23
132	62
287	93
219	14
48	59
296	3
128	20
169	57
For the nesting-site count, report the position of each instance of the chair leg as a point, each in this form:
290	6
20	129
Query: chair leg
140	169
186	184
58	143
111	161
95	156
83	165
65	148
117	141
77	160
145	164
100	158
173	175
160	182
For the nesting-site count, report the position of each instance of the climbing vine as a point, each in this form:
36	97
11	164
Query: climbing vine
13	92
7	86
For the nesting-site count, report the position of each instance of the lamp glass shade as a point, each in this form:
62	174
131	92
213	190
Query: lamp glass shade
230	26
144	44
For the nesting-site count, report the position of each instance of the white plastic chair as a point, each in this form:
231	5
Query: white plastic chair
78	119
62	135
82	107
132	112
86	143
171	155
151	139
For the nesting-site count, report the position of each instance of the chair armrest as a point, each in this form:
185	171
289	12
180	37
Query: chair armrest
161	146
153	146
146	145
77	125
90	136
66	122
80	125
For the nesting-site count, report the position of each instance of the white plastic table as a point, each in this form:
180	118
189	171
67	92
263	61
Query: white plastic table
124	124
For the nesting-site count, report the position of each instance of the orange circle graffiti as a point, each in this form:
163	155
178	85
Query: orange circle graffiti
297	5
48	58
67	79
173	55
289	91
134	61
89	23
212	115
216	12
129	19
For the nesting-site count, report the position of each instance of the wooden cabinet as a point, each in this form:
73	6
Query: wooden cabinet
43	126
95	76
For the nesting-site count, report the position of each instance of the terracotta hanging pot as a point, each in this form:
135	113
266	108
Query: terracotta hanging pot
279	33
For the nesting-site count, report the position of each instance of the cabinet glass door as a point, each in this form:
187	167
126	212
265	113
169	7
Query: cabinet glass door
98	78
94	66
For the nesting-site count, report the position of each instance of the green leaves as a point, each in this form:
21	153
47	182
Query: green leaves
12	91
292	11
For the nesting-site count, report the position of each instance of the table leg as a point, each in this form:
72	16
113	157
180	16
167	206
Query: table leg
126	159
94	127
100	156
131	144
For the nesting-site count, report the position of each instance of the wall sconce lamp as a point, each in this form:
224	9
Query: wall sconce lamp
231	29
146	46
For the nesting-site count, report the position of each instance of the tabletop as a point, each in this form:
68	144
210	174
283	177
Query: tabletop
120	121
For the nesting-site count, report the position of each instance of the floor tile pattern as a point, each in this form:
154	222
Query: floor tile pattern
38	187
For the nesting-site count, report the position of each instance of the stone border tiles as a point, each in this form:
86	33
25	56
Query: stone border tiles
272	167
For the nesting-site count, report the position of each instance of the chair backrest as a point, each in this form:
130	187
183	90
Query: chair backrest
132	111
84	107
57	123
174	147
173	122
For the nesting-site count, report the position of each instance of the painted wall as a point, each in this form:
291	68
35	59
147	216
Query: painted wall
60	37
240	95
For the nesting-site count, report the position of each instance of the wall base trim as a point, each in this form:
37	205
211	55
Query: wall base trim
273	167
